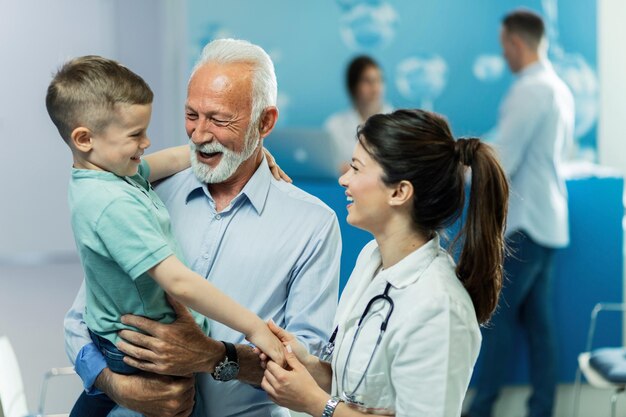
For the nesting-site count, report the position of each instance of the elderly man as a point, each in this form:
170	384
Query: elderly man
534	131
267	244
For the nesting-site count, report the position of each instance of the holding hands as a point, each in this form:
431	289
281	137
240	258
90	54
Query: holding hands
268	343
293	386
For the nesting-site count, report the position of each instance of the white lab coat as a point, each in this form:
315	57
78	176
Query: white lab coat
425	360
342	128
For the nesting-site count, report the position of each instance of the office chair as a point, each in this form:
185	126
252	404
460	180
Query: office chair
603	367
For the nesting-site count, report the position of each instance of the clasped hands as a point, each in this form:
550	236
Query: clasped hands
291	386
181	349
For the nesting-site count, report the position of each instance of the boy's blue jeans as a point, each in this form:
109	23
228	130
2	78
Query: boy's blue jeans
100	405
112	355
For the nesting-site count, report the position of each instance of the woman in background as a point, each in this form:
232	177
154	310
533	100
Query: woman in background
407	326
366	87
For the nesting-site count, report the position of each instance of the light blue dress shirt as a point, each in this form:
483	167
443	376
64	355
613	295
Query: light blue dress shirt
534	133
275	249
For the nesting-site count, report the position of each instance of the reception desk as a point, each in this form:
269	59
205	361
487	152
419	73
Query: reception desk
587	272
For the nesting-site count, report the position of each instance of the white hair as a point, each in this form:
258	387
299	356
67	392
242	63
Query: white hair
264	84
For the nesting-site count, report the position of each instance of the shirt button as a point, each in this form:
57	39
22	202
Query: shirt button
217	217
205	256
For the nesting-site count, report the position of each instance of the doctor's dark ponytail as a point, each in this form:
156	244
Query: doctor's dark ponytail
417	146
482	256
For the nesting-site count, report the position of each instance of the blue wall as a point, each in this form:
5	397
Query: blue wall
449	51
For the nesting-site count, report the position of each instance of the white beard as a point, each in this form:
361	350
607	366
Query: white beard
230	161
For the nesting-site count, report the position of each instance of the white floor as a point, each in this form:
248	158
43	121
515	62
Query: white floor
594	403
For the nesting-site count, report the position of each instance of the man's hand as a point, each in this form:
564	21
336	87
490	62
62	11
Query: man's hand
179	348
150	394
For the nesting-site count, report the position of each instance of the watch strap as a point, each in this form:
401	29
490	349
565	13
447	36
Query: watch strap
231	352
330	407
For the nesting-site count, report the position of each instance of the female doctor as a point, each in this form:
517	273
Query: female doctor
407	326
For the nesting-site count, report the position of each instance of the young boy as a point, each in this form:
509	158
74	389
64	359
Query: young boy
121	227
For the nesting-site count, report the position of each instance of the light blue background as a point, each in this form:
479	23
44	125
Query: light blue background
310	55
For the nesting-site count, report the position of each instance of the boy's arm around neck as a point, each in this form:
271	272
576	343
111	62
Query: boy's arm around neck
168	162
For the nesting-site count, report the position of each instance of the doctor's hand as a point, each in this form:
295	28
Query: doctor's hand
179	348
294	387
150	394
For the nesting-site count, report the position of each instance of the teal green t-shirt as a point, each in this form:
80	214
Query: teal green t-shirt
122	229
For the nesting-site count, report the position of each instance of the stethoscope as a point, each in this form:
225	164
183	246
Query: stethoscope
349	395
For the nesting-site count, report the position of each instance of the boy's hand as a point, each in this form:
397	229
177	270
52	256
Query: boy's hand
290	340
268	343
278	173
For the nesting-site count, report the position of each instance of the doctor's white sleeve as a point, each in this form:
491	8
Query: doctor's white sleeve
433	355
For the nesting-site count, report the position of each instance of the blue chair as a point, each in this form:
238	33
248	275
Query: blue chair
603	367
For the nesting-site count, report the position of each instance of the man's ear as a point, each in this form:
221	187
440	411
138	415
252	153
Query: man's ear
518	42
401	193
268	121
81	139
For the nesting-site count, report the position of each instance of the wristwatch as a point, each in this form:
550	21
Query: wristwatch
331	404
228	368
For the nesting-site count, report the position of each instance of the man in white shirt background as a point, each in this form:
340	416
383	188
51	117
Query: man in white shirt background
535	128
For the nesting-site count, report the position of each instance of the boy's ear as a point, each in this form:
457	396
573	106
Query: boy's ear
81	139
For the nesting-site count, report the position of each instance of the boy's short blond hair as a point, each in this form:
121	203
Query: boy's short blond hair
85	90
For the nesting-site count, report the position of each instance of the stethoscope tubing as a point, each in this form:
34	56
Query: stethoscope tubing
328	351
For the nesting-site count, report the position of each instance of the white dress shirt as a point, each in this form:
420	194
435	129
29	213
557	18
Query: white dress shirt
534	132
425	359
342	128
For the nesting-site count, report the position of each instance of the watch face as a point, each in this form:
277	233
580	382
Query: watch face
227	371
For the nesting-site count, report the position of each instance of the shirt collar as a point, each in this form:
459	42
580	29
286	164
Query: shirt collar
534	68
256	189
410	269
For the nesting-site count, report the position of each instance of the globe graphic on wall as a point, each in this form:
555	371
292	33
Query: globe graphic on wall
368	26
583	82
488	68
422	79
